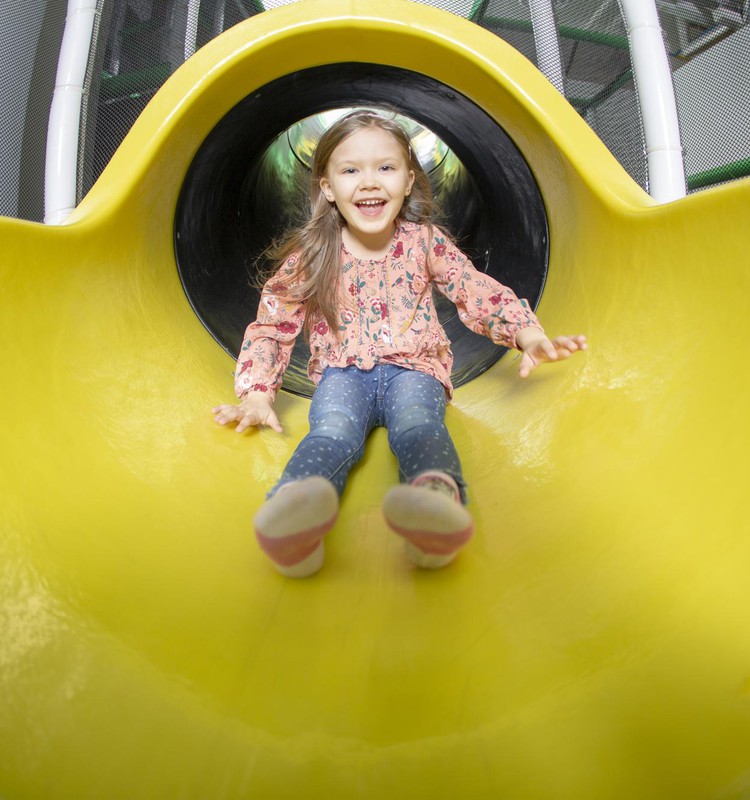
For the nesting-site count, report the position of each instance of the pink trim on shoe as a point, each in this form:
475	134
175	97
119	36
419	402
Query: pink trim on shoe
435	525
438	544
293	548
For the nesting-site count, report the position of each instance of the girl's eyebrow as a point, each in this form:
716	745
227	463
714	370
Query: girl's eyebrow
343	162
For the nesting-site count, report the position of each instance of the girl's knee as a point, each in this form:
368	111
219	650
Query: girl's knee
337	425
416	416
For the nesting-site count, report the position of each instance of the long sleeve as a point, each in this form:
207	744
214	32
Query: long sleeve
268	342
484	305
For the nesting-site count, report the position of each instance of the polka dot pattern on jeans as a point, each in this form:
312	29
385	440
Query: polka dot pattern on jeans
349	403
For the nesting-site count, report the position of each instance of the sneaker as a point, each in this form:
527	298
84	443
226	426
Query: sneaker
291	525
429	515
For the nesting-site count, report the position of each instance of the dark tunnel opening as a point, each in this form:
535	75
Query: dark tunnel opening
248	181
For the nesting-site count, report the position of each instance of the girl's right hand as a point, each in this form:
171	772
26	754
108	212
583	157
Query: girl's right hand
255	409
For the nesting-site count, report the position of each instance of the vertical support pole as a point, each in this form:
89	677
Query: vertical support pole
191	29
546	42
61	164
653	82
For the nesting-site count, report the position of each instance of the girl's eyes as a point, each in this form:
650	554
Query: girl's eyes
353	170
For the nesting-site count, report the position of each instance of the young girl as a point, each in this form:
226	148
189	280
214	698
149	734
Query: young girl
358	279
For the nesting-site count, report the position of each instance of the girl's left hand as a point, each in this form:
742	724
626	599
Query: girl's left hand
544	351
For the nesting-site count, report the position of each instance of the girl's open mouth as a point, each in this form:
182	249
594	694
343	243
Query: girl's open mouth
370	208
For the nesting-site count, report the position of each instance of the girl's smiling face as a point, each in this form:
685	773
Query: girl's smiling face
368	177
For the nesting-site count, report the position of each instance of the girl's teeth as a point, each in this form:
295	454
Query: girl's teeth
366	206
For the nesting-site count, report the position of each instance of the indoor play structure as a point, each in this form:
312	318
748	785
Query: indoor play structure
593	641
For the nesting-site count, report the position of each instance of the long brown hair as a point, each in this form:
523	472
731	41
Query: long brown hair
317	243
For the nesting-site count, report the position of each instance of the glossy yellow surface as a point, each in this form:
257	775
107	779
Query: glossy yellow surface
593	642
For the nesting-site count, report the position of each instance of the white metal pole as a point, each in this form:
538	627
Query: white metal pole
653	82
546	42
191	30
61	166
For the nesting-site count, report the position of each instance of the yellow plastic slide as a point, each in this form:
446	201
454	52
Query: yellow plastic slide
594	639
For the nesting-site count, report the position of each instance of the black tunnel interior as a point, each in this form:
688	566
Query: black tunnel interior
235	199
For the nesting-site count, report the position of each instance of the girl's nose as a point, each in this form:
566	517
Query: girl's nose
369	180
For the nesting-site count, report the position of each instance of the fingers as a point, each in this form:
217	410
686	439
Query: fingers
559	348
245	418
543	351
253	418
571	343
273	422
565	346
246	421
225	414
549	349
527	366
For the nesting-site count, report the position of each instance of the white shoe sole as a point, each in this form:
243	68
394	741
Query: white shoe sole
291	525
434	525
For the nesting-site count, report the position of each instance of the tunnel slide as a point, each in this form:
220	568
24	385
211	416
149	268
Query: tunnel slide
593	640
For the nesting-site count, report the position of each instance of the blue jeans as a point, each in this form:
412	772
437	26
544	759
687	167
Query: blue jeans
348	403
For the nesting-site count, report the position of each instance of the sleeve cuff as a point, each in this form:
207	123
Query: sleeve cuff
260	388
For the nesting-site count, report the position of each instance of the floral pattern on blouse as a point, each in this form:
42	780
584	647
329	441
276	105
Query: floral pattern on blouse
385	314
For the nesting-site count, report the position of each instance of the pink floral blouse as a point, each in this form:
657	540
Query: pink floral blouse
386	314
